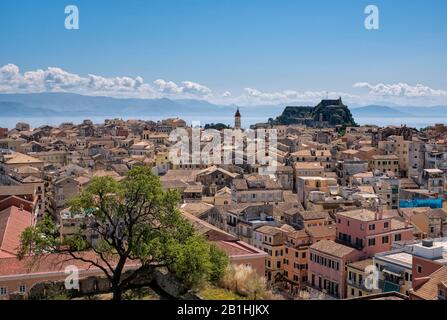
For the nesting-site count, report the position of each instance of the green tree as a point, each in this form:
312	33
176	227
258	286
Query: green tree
134	221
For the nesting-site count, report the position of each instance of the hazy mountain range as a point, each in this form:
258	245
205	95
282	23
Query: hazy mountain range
75	105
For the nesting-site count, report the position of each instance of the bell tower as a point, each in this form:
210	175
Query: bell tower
237	119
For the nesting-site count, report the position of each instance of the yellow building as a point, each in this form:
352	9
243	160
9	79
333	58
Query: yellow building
272	241
17	160
385	163
356	274
58	158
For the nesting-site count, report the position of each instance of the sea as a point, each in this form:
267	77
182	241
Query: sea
415	122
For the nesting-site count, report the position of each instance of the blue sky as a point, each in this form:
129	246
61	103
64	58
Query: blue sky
229	51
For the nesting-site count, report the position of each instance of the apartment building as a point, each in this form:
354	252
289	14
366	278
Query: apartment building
327	267
357	276
272	241
371	232
296	253
256	189
385	163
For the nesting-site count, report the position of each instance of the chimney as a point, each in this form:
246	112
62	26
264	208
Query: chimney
428	243
380	213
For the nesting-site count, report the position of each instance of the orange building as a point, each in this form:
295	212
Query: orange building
296	257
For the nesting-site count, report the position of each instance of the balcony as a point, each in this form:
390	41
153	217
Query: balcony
358	285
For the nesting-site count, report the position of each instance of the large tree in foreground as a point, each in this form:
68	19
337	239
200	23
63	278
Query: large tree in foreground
135	221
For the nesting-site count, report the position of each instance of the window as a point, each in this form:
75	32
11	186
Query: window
385	239
397	237
419	268
3	291
372	242
22	288
372	227
386	225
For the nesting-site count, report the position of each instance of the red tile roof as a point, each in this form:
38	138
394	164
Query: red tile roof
51	263
237	248
13	221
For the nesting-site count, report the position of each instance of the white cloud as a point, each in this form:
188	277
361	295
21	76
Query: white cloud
401	90
53	79
167	87
285	96
193	88
186	89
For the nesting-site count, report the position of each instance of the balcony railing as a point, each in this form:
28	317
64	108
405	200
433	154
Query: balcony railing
358	285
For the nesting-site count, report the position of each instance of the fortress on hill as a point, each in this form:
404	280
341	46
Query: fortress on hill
328	113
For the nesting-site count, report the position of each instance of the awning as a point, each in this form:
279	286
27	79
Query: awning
392	273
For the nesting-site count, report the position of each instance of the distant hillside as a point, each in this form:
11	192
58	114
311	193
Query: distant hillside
434	111
75	105
14	109
379	111
68	104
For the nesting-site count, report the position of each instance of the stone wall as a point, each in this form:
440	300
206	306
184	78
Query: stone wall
161	278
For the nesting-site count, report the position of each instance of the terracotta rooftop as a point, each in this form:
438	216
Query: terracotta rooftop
52	263
308	165
196	208
362	264
13	221
328	231
270	230
20	158
237	248
313	215
361	214
429	290
332	248
24	189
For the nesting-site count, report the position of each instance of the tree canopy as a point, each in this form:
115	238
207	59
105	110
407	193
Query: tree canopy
132	220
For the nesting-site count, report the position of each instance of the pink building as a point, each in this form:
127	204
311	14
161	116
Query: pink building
371	232
327	267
